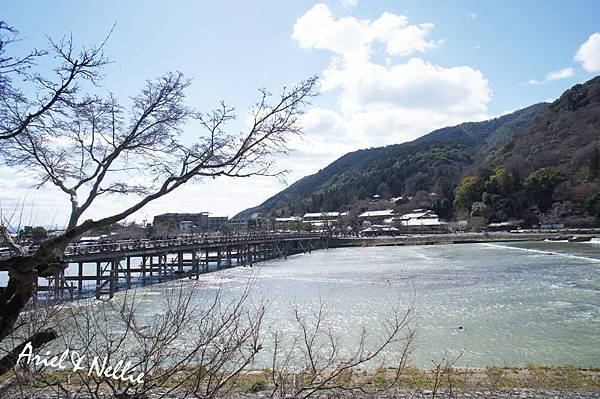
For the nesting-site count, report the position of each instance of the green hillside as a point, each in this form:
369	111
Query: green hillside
560	140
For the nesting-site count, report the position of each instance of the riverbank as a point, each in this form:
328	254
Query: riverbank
443	239
482	382
492	382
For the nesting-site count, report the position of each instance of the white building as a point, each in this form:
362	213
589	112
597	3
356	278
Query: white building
376	217
323	216
323	220
287	223
421	218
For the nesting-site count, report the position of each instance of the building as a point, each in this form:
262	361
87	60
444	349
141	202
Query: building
199	220
376	217
323	216
246	225
323	220
286	224
192	222
216	222
421	220
239	225
186	227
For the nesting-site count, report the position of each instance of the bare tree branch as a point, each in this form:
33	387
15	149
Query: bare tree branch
88	145
37	340
18	112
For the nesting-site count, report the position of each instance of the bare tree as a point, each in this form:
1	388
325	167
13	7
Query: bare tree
88	145
184	347
35	326
314	360
443	370
55	92
204	346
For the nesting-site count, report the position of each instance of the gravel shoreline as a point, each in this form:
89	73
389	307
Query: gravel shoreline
524	393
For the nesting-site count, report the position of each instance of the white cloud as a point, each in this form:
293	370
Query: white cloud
472	16
561	74
46	206
349	3
564	73
222	197
414	85
388	102
352	39
589	53
534	82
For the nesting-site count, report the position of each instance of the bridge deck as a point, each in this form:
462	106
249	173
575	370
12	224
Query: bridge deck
117	265
107	251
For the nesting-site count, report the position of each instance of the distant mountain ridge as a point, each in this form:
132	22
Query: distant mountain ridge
562	135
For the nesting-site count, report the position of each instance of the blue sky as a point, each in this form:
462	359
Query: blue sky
392	70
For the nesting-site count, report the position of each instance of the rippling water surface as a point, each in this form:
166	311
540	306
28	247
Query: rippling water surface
516	303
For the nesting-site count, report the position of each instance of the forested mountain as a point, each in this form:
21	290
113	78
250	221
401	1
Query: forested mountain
561	141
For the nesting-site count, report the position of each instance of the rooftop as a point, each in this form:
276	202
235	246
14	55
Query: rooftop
385	212
324	214
288	219
419	214
422	222
181	214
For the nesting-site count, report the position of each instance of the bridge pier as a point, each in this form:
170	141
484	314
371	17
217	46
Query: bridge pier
195	265
112	285
128	273
161	266
98	273
79	275
143	269
55	284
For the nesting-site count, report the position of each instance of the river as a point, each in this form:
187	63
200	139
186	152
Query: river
486	304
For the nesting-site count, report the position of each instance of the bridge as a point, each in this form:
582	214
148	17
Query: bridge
116	265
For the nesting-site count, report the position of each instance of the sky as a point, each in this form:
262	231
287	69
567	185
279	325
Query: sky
390	71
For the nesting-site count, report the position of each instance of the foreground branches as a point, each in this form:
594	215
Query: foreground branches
89	145
326	365
189	340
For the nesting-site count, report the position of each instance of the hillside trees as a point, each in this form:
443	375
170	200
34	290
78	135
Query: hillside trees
592	205
502	182
594	163
443	207
540	186
384	190
544	135
468	191
501	195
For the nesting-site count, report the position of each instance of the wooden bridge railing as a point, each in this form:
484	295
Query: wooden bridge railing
115	246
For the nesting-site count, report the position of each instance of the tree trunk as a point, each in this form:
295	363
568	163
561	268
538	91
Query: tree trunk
16	294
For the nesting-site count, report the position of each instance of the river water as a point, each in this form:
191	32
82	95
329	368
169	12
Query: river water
502	304
486	304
